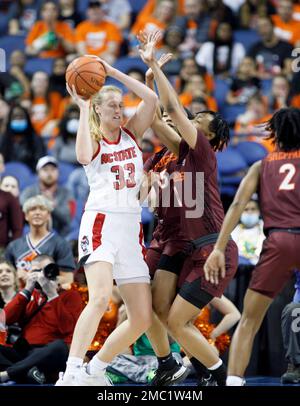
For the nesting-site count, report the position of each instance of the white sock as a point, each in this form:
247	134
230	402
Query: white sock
73	364
234	381
216	366
96	366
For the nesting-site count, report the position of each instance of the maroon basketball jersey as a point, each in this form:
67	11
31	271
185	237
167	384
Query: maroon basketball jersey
165	162
280	190
199	169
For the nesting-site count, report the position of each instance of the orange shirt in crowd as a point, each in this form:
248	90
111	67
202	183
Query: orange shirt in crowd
296	14
97	36
289	32
130	103
261	140
186	99
149	24
149	8
61	29
41	113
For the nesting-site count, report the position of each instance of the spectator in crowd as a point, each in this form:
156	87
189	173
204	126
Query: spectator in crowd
286	28
245	84
195	24
281	94
196	87
44	104
97	35
223	55
47	317
14	84
220	12
249	235
118	11
11	219
161	18
131	100
271	52
57	79
291	336
189	67
40	241
249	123
173	37
59	196
49	37
252	10
64	148
8	282
19	142
10	184
68	12
197	104
22	16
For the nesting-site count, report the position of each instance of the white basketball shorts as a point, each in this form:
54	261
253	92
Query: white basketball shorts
115	238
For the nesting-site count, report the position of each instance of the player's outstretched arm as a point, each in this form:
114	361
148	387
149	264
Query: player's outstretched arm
144	115
215	264
167	94
85	145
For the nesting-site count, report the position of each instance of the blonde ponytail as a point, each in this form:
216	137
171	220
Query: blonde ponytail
94	119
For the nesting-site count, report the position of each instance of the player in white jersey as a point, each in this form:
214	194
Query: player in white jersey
111	237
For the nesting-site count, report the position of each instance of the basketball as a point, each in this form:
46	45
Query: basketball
87	74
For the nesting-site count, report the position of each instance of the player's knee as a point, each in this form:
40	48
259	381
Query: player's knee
161	309
141	322
99	302
249	322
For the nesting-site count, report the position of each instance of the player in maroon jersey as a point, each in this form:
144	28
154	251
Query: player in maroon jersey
200	138
278	179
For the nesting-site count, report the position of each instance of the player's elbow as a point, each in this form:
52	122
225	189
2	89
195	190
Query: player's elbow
83	159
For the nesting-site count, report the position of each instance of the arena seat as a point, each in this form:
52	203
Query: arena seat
251	151
230	113
65	169
246	37
137	5
230	162
20	171
36	64
124	64
221	89
11	43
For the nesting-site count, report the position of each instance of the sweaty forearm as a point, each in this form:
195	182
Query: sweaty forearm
84	145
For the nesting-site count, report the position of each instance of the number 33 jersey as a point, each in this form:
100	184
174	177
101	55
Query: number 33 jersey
280	190
115	175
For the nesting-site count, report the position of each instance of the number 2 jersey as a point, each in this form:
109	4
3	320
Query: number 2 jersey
115	175
280	190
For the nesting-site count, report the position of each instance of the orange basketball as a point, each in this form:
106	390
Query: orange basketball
87	74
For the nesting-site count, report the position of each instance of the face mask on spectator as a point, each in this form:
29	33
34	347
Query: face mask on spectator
249	220
72	125
18	125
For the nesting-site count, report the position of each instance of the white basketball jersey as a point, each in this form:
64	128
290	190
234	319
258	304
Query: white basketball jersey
115	175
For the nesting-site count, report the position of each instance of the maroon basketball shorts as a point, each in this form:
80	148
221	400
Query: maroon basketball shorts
168	249
279	257
192	285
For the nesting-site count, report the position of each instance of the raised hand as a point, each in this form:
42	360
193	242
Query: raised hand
147	46
163	60
81	103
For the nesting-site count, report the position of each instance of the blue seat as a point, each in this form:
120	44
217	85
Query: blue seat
266	85
230	113
221	89
251	151
231	166
124	64
11	43
20	171
137	5
230	162
147	215
39	64
246	37
65	170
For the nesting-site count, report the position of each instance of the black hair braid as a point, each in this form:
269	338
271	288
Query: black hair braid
285	128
